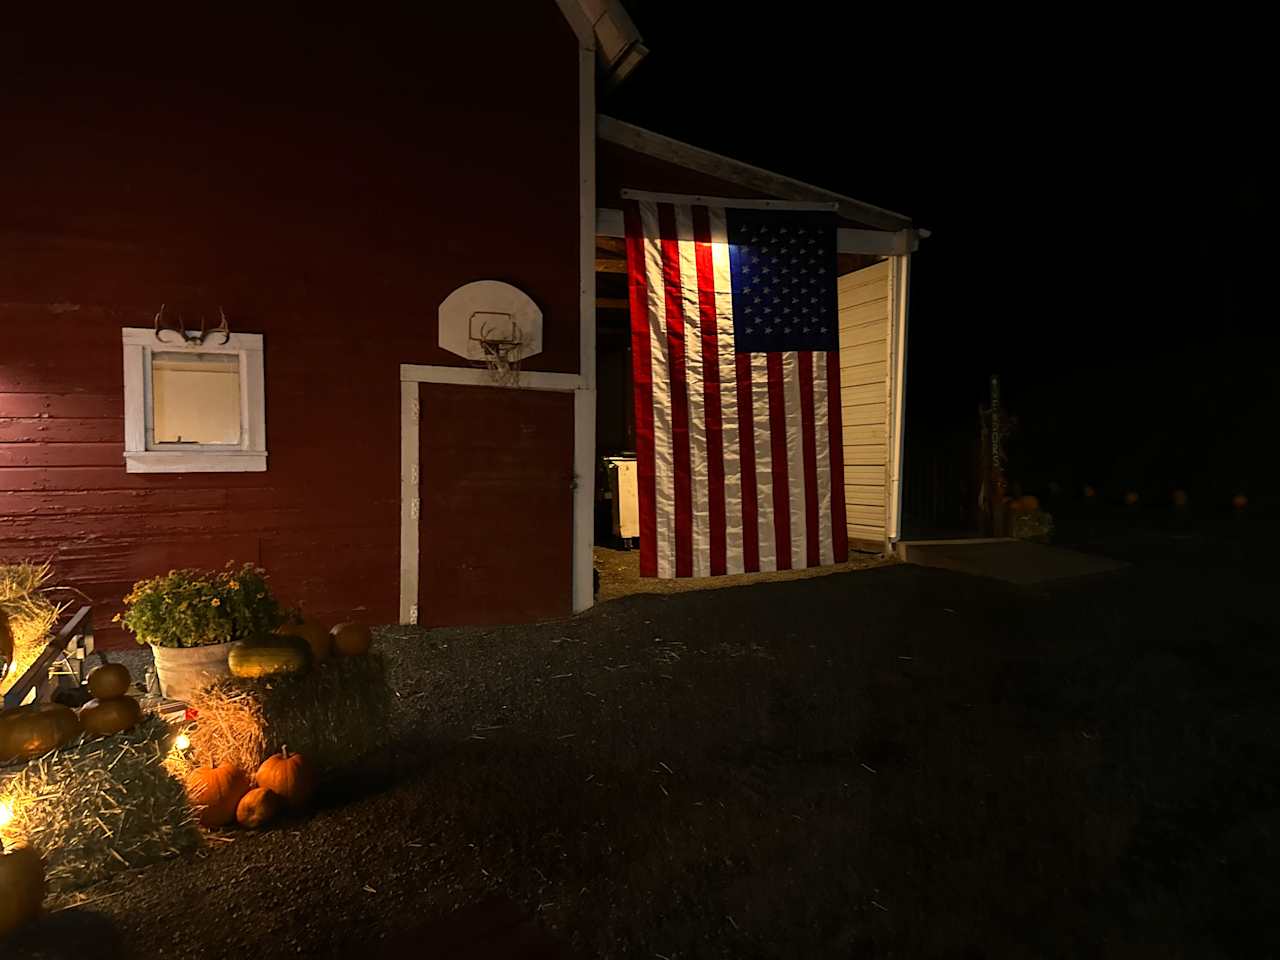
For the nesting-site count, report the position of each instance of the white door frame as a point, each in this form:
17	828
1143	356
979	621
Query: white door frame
412	376
581	384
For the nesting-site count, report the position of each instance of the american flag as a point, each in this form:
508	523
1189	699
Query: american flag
735	355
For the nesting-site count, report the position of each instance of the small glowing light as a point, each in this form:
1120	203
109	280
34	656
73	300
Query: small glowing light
6	813
182	742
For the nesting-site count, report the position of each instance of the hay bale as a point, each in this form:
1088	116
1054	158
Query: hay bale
100	806
336	713
24	600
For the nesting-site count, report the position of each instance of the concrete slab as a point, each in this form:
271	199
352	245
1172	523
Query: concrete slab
1014	561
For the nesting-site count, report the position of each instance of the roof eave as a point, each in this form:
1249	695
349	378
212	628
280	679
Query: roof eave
770	184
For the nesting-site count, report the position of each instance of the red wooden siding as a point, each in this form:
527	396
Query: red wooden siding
331	212
497	505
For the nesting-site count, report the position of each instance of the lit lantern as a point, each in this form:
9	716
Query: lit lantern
1239	501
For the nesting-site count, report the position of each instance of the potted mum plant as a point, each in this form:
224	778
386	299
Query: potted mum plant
191	617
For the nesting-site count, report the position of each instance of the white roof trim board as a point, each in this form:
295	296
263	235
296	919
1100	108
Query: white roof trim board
744	174
619	47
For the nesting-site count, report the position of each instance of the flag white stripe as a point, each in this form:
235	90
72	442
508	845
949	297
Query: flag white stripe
822	444
795	456
700	528
729	398
757	400
663	463
764	460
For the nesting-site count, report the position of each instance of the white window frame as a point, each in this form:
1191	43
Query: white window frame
140	456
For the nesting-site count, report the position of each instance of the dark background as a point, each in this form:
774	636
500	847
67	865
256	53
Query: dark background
1099	199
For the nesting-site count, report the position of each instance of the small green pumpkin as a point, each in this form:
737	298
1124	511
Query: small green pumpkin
269	657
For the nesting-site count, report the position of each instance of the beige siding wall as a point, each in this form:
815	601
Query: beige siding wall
864	369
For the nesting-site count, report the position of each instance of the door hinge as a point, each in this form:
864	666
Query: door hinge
413	474
415	508
417	409
413	614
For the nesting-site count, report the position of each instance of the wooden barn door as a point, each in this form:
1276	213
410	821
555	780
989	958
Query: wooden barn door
495	534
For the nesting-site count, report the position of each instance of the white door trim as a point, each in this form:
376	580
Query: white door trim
477	377
410	442
412	376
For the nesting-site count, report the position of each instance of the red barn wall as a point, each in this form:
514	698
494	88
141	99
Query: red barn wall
328	191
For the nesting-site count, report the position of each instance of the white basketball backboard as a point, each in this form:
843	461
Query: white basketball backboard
489	310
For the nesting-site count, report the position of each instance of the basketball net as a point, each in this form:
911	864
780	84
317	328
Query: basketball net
502	358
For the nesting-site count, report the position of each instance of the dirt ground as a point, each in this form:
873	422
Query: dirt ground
619	572
884	762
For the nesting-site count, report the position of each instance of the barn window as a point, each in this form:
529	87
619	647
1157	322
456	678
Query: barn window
193	407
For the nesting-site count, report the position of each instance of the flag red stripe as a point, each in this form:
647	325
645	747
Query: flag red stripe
642	373
711	388
680	454
747	459
778	449
809	449
839	530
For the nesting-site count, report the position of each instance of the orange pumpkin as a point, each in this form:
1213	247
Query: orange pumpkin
317	638
101	718
258	807
289	775
216	792
109	681
21	887
30	731
351	639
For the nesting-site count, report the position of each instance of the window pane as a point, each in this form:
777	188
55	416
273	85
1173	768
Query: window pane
196	397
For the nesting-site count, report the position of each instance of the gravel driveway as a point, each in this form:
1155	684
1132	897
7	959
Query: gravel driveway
893	761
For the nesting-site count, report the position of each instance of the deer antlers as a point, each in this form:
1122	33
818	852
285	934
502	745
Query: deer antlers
187	337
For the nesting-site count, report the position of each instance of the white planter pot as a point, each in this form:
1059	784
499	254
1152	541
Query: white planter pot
184	670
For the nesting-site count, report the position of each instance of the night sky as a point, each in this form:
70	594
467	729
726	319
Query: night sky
1099	210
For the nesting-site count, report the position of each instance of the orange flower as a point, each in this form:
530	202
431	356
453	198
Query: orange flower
216	602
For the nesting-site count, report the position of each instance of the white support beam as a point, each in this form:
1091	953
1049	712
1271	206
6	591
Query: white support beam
876	243
610	222
899	290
